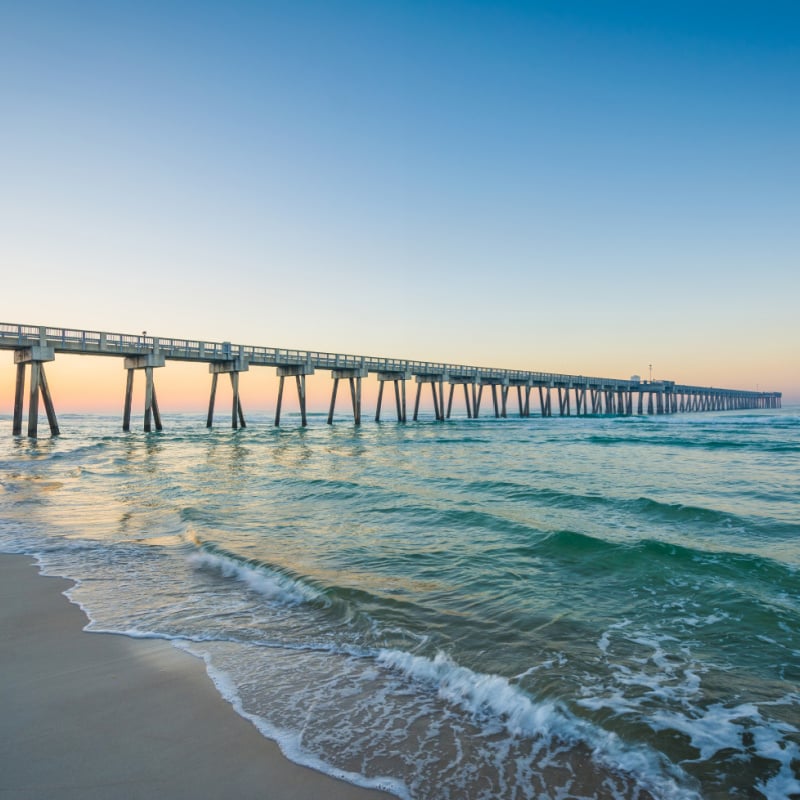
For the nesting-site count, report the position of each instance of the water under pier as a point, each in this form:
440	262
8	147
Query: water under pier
34	346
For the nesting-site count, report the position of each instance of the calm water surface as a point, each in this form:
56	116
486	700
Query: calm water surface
577	607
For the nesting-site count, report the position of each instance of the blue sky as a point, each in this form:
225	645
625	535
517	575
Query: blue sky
581	187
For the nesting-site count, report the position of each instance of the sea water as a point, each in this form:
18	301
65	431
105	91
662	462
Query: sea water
513	608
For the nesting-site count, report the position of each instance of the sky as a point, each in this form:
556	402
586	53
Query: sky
580	187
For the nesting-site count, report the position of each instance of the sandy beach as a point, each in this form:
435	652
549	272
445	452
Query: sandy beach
89	715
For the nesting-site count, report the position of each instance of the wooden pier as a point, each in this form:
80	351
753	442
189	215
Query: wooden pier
33	346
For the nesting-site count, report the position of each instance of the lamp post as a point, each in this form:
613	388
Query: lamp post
651	373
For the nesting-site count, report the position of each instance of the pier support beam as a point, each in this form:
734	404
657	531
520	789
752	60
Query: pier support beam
629	402
354	376
544	401
299	372
148	363
35	358
563	401
520	384
503	383
233	367
434	379
466	381
399	380
580	401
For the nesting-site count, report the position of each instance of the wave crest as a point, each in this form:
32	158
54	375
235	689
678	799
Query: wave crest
272	584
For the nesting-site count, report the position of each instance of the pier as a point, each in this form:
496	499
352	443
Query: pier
34	346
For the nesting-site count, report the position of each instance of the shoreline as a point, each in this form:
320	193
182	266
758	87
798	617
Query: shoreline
91	715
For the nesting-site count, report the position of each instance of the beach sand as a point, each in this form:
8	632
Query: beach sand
85	715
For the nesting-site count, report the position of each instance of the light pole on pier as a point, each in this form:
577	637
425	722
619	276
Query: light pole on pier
651	373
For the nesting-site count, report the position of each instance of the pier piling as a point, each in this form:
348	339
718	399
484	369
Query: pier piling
299	372
147	362
35	358
353	375
398	378
433	379
466	381
231	366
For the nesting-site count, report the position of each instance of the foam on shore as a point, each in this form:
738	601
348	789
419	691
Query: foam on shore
90	716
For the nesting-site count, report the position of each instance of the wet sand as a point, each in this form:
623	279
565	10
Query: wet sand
85	715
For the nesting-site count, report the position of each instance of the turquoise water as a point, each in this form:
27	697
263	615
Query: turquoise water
568	607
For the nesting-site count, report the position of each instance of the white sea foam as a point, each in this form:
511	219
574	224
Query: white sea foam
289	740
274	586
605	639
769	743
710	619
476	692
721	728
490	697
714	730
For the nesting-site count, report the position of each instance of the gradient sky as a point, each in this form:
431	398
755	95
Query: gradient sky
583	187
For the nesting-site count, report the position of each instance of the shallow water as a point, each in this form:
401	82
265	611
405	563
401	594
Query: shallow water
580	607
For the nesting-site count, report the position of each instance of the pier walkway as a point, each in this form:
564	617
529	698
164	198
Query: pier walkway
34	346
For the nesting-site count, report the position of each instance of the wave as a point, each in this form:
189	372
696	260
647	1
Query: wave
647	508
758	445
494	699
276	585
710	517
360	618
650	552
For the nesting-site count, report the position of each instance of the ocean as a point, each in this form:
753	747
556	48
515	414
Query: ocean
514	608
